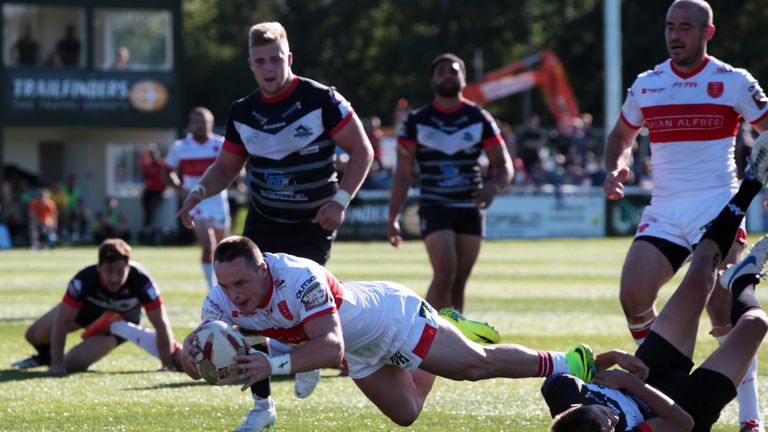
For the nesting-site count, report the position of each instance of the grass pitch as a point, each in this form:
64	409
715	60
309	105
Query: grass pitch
546	294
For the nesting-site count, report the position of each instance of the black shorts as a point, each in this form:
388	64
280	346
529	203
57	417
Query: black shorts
703	394
302	239
674	253
89	313
462	220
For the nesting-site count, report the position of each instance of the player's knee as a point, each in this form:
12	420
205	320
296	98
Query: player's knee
635	300
406	415
444	277
756	320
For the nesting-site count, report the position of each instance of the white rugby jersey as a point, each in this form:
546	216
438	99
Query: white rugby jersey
193	158
693	120
371	313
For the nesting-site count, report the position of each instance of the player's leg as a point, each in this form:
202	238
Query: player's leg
39	336
467	251
397	393
441	248
204	233
455	357
646	269
678	322
88	352
263	414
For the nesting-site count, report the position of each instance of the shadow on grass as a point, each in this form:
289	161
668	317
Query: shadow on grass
191	383
26	374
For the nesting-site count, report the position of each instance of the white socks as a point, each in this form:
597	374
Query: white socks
143	337
210	276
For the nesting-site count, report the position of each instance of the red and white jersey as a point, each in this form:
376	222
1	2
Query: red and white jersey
693	120
192	158
378	319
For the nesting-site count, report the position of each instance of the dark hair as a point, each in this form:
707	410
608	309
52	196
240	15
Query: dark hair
576	419
114	249
234	247
447	57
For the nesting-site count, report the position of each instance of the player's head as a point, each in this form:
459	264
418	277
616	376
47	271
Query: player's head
270	58
241	272
201	122
585	418
688	29
448	74
113	266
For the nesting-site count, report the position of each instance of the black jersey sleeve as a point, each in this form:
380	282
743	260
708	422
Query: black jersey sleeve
231	134
407	133
337	112
491	131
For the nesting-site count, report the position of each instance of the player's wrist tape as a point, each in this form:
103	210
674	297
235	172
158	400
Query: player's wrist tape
342	197
280	365
201	189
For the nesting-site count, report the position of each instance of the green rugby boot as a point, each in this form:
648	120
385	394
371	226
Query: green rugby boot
473	330
581	362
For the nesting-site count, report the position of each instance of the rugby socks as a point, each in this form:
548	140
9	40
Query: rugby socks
143	337
746	392
551	362
743	296
723	228
640	330
43	353
210	277
261	390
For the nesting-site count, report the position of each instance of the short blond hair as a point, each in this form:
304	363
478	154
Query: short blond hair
265	33
203	111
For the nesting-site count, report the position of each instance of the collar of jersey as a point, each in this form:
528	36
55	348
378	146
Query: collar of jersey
284	94
684	75
268	296
442	109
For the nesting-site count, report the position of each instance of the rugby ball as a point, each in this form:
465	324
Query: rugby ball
217	344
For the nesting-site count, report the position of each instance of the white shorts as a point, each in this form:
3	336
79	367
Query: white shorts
384	323
214	209
683	222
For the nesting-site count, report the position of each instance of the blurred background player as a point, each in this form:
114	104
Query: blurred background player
43	220
191	156
446	139
694	172
288	131
116	285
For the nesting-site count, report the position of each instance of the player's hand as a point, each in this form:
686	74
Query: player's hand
616	378
252	367
486	195
632	365
393	232
330	216
193	198
189	354
613	186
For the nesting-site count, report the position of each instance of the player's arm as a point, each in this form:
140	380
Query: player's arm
353	140
668	415
498	157
159	319
623	359
64	320
403	177
618	147
217	177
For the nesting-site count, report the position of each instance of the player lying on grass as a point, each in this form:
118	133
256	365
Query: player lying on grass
113	285
391	341
618	400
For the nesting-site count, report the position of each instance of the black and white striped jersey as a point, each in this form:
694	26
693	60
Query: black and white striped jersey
448	146
287	138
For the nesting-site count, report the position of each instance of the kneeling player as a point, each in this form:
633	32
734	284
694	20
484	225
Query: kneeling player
630	404
114	284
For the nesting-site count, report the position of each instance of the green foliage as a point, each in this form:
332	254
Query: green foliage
547	294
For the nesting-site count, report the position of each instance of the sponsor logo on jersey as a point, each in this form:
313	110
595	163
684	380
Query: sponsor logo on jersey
302	131
642	227
235	314
259	117
293	108
274	126
715	89
462	120
685	84
653	90
75	288
314	297
468	137
759	98
309	150
284	311
152	291
698	122
278	180
278	283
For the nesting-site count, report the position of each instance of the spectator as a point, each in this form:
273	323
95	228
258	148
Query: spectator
78	214
43	217
26	50
152	170
61	199
111	222
67	52
122	57
531	143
